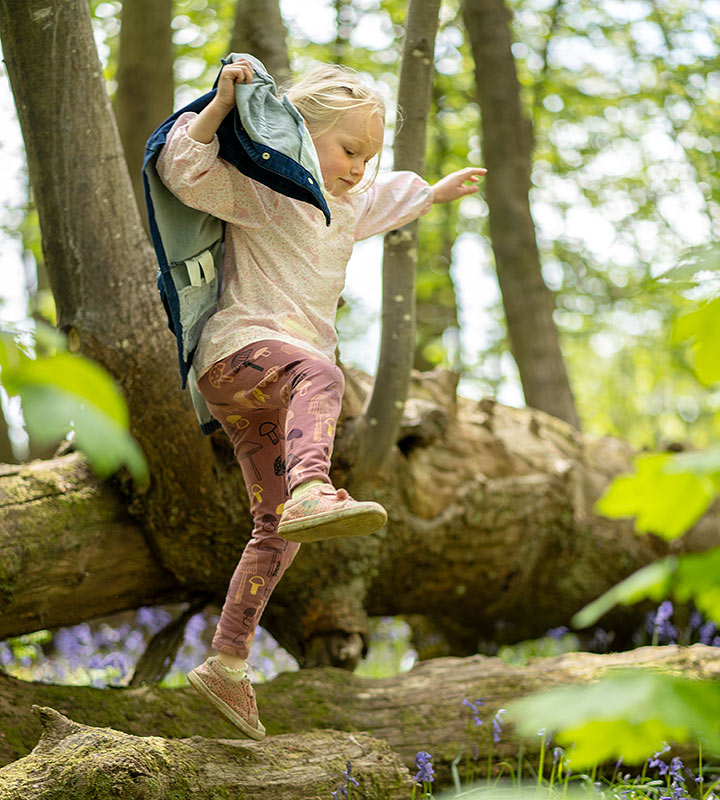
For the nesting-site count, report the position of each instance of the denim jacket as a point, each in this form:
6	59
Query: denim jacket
266	139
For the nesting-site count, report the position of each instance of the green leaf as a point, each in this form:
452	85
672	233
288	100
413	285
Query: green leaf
698	579
652	581
61	393
664	503
702	326
629	713
693	577
702	462
51	413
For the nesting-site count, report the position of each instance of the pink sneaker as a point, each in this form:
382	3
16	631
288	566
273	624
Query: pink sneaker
235	700
323	512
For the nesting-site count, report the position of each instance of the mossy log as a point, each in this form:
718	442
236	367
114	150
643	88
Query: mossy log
73	760
418	710
491	536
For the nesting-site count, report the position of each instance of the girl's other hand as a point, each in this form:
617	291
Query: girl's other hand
454	185
239	71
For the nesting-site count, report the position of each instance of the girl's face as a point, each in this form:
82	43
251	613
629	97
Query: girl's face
345	149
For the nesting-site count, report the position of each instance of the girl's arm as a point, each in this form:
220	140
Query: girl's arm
205	125
454	186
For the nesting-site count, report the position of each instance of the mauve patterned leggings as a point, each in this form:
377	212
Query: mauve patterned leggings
279	406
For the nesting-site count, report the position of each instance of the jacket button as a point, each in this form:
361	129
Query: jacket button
266	156
310	180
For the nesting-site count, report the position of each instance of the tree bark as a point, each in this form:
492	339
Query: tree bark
259	29
491	537
304	711
145	86
507	150
381	420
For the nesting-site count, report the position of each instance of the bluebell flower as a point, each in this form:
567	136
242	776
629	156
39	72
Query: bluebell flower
497	725
656	761
425	772
6	655
558	753
661	622
348	777
558	633
474	709
706	632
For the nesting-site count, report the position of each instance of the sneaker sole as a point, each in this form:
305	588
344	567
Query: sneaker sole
335	524
224	709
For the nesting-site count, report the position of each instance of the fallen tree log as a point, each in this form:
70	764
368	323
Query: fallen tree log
418	710
69	546
97	763
491	537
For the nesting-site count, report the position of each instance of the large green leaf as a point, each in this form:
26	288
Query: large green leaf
60	393
694	577
653	581
629	713
702	327
665	502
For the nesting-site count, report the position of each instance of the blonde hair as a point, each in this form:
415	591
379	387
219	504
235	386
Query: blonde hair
328	90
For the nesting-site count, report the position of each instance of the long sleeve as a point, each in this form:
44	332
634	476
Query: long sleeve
393	200
193	172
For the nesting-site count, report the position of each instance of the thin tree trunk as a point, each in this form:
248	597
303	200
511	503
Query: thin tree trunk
259	29
144	96
507	151
437	310
384	412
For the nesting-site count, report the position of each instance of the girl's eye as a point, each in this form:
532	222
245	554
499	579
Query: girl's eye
349	152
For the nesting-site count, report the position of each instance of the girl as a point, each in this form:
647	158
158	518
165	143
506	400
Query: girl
265	361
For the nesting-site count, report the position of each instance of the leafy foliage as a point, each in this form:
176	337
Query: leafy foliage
664	499
631	713
63	393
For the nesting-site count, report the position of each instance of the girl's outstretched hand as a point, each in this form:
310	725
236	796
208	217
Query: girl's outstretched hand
454	185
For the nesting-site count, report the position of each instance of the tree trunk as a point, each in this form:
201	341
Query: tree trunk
259	29
437	341
491	537
304	713
381	420
145	86
102	271
507	151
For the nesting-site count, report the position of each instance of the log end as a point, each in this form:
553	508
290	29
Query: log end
55	726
